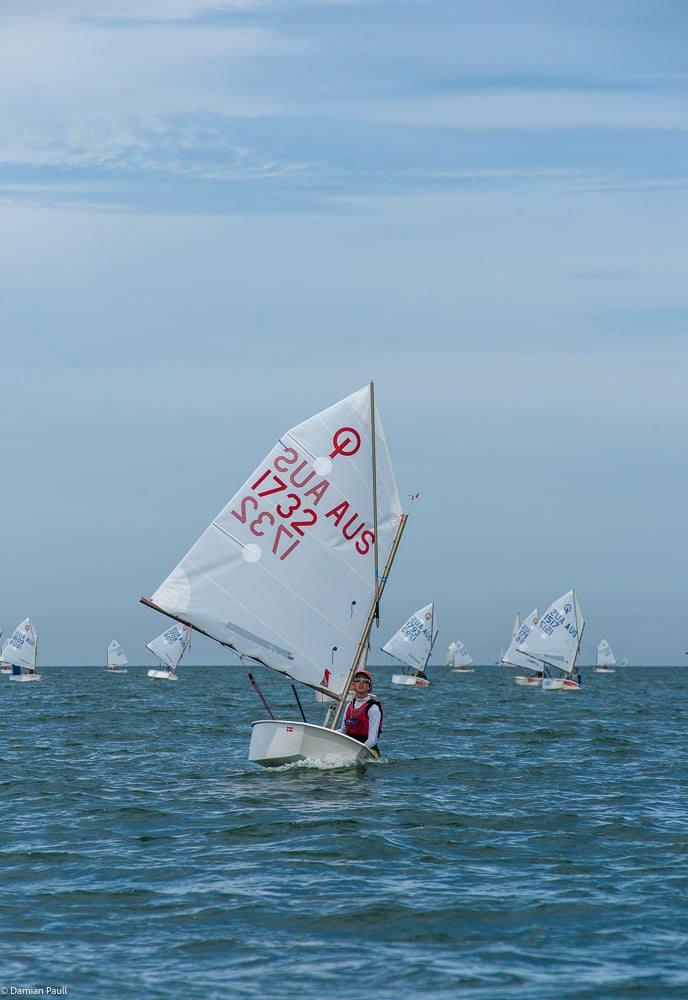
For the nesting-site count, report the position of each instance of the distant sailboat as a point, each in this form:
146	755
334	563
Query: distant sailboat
459	659
515	658
291	571
606	660
555	643
21	652
514	630
116	660
412	645
169	649
5	668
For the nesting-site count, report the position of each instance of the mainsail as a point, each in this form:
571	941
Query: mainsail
513	656
171	645
555	640
605	657
285	574
412	644
20	648
116	657
460	656
516	626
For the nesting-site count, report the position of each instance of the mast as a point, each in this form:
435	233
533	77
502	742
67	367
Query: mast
434	638
363	641
374	482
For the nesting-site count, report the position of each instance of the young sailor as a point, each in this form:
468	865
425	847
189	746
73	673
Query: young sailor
363	716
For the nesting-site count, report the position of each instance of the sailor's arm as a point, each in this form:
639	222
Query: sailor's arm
373	726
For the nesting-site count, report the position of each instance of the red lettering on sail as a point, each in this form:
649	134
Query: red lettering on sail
338	512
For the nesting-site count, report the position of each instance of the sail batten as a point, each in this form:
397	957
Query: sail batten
290	562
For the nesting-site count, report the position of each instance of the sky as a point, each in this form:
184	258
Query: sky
218	218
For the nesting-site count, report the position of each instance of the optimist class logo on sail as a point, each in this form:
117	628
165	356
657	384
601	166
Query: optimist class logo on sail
291	495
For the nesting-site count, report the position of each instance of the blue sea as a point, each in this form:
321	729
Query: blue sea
512	843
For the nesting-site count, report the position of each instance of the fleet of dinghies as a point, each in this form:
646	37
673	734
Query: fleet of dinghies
553	643
322	508
458	658
290	572
20	652
412	645
169	649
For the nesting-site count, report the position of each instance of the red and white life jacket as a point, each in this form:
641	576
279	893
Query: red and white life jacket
356	721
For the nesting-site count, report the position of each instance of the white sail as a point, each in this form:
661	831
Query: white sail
285	573
20	648
556	637
605	657
450	654
516	626
116	657
513	657
461	657
413	642
171	645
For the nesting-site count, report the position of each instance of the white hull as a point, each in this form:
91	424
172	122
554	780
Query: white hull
410	679
162	675
275	742
560	684
528	681
26	677
5	670
602	670
114	670
463	670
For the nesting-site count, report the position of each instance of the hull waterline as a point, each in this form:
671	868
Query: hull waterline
523	681
410	681
275	742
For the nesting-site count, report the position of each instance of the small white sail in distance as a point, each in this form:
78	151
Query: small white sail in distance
116	657
20	648
285	574
171	645
460	656
605	656
450	654
555	640
412	643
513	656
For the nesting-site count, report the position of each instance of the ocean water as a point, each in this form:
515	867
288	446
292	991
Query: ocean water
511	843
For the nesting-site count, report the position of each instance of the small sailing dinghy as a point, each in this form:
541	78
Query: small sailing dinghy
291	571
169	649
515	658
514	631
555	642
606	661
5	668
459	659
21	652
412	645
116	660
